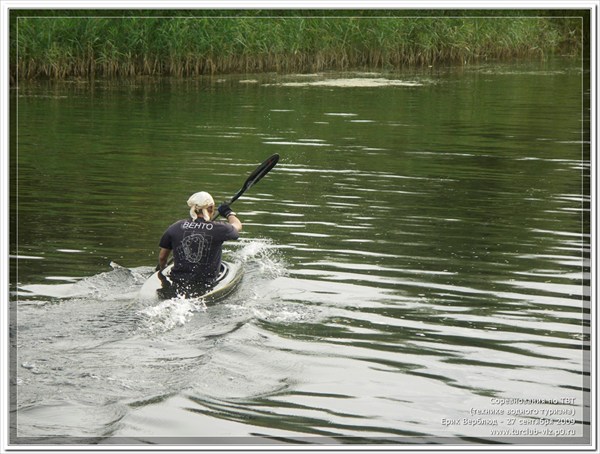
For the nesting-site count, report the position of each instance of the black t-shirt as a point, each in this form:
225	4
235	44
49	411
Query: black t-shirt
196	247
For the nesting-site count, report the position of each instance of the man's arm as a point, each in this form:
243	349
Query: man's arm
227	213
235	222
163	257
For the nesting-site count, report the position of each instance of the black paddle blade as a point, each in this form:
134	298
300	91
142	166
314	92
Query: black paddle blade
256	176
261	171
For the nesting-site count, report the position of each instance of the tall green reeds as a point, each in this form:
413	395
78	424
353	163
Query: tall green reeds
62	47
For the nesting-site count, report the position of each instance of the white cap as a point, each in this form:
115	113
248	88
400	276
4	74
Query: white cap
200	201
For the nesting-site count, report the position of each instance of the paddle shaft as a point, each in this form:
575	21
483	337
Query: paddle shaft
254	178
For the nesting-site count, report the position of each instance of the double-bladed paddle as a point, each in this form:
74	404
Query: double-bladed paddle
254	178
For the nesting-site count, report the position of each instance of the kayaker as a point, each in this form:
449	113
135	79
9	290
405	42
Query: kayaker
196	244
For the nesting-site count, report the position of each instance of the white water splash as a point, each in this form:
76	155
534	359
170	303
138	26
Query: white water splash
265	255
171	313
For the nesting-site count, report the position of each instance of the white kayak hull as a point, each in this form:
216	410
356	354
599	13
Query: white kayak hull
229	276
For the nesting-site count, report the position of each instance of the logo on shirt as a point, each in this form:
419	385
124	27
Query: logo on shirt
193	248
197	225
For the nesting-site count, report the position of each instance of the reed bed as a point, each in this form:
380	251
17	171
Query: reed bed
87	47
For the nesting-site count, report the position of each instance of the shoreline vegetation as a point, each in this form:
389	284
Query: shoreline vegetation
111	47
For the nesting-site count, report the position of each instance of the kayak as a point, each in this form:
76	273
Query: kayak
228	279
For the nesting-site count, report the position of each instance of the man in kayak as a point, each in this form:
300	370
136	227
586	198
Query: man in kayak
196	244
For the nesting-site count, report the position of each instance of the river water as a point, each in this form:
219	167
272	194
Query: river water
416	266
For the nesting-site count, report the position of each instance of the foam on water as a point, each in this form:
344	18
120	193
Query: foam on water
171	313
352	83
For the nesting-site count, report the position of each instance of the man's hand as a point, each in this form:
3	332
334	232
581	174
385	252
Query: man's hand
224	210
227	213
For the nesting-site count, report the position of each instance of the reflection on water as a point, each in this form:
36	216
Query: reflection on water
418	258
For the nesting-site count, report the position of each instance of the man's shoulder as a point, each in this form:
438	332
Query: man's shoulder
226	230
222	225
177	224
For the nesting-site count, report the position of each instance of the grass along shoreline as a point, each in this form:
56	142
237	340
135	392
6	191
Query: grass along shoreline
88	47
